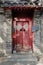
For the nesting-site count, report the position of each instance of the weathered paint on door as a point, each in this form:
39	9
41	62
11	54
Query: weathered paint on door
22	35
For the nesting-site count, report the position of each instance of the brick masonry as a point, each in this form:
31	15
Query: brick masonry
6	31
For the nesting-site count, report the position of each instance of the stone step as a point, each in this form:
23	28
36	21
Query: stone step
22	57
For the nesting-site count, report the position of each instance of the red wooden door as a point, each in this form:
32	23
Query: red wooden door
23	34
22	37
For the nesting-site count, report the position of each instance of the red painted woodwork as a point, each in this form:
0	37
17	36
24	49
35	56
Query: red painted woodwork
22	37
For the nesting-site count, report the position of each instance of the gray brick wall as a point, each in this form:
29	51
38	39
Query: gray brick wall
5	32
2	36
8	20
37	35
41	28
